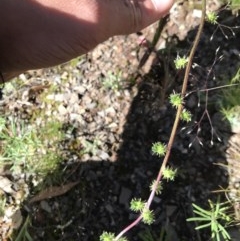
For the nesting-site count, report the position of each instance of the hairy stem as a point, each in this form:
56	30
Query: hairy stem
176	122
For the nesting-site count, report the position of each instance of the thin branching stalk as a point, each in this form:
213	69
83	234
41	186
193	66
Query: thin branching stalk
176	122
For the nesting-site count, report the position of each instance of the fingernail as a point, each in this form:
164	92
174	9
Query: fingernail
162	5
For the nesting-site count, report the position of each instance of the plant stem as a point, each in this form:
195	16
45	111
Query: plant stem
180	108
176	122
161	24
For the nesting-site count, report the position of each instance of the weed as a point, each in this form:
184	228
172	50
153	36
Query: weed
230	102
91	147
217	218
230	98
23	234
146	214
19	144
232	115
113	81
234	5
32	150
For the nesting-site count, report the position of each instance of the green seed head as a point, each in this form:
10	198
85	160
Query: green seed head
169	173
186	115
181	62
176	100
159	149
212	17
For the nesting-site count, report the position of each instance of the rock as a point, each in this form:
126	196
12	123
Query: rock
125	196
45	206
6	185
62	110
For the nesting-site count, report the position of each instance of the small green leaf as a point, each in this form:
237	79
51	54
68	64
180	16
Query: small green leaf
203	226
201	210
202	214
224	232
194	219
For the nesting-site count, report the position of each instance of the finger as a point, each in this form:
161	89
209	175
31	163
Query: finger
133	15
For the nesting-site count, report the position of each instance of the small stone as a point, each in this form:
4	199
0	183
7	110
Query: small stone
170	209
125	196
56	97
109	208
73	98
6	185
17	219
192	101
45	206
103	155
80	89
62	110
157	199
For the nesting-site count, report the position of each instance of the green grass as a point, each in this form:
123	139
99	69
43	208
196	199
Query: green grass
217	218
230	101
28	149
2	204
23	234
18	144
235	4
31	150
113	81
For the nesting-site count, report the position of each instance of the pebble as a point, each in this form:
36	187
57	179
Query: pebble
103	155
6	185
45	206
170	209
81	89
109	208
125	196
62	110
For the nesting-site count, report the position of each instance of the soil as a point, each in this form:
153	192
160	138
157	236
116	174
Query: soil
122	121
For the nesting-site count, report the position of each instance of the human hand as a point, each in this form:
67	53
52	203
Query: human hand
41	33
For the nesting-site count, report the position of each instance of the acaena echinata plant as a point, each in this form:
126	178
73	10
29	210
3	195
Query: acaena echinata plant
177	100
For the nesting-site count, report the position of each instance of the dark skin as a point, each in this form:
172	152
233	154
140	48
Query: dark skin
42	33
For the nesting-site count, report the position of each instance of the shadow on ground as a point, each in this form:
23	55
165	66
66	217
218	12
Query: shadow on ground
100	202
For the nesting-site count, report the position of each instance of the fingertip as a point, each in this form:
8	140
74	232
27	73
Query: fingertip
154	10
163	6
